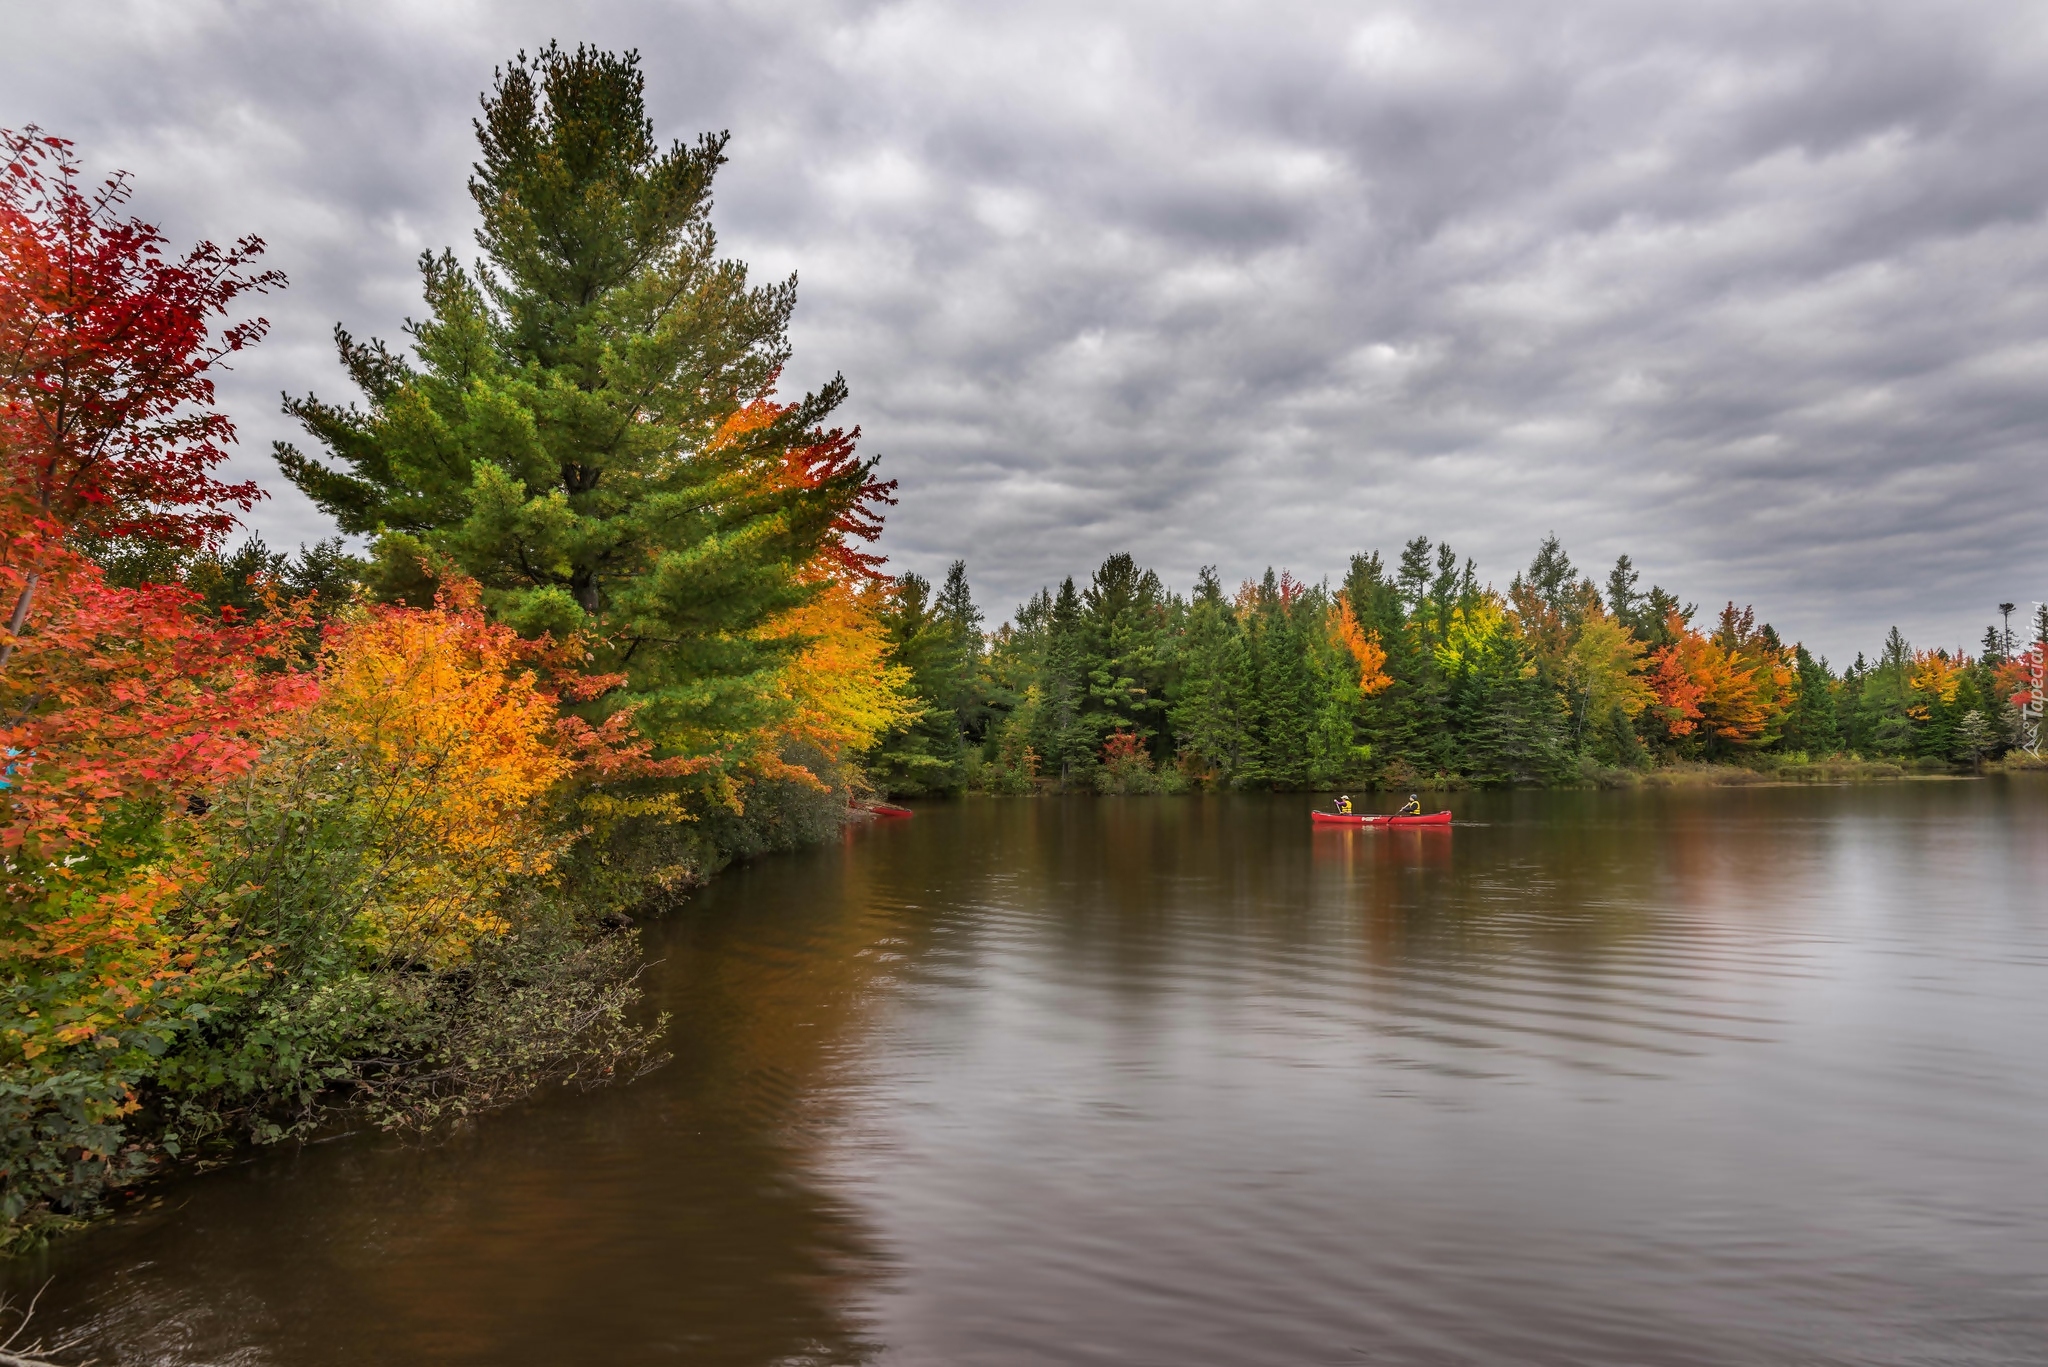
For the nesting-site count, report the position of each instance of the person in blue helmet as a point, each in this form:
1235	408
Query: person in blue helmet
1412	807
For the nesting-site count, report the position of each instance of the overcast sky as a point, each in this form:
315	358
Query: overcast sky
1755	292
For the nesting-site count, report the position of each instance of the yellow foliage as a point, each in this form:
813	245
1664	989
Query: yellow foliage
845	693
455	746
1470	628
1605	668
1936	673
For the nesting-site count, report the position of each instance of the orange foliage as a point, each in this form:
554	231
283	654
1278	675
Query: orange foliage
450	727
1735	692
1124	747
1362	645
1732	702
1674	679
844	692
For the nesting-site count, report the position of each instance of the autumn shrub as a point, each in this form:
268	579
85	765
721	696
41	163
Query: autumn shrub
428	729
403	1032
1126	767
257	898
397	855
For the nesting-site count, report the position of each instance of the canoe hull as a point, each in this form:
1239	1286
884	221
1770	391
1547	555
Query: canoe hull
1427	819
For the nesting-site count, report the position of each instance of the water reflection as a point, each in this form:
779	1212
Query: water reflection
679	1219
1647	1078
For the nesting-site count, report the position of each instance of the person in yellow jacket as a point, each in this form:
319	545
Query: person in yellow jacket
1412	807
1344	806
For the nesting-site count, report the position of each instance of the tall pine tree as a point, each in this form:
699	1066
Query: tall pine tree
587	426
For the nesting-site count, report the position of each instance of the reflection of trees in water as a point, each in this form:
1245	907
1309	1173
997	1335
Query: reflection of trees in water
1581	876
1551	910
676	1219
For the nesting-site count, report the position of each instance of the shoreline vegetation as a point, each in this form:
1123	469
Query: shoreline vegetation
303	843
298	843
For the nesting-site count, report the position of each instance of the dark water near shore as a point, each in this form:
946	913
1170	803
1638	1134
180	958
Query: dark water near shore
1718	1077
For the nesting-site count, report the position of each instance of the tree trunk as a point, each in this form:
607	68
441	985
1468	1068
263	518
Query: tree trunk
20	618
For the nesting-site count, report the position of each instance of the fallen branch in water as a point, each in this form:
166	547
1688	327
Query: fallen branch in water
30	1354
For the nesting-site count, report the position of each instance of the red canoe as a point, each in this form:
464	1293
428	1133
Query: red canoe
1333	819
884	809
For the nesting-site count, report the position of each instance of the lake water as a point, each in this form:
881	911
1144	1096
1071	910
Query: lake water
1711	1077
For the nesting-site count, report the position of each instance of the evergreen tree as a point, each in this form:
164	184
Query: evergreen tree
1552	600
1812	725
970	703
1124	620
587	428
926	756
1209	695
1448	592
1975	737
1551	605
1509	722
1281	702
1884	723
1614	741
1653	618
1968	743
1622	599
1411	580
1014	683
1067	738
1336	754
1398	721
1375	600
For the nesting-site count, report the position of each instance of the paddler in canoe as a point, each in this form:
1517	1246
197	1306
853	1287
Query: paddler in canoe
1412	807
1344	806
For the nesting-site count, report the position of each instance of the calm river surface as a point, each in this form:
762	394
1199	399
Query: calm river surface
1714	1077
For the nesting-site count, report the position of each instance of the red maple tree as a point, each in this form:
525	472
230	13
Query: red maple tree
110	697
107	348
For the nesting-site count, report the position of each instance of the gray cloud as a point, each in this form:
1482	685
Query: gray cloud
1753	292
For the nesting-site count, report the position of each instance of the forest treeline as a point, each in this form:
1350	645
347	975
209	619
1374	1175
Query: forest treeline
1407	673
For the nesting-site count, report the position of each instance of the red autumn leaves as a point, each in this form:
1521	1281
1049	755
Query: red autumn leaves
107	349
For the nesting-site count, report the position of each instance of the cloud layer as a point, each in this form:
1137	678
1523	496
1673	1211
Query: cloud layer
1755	293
